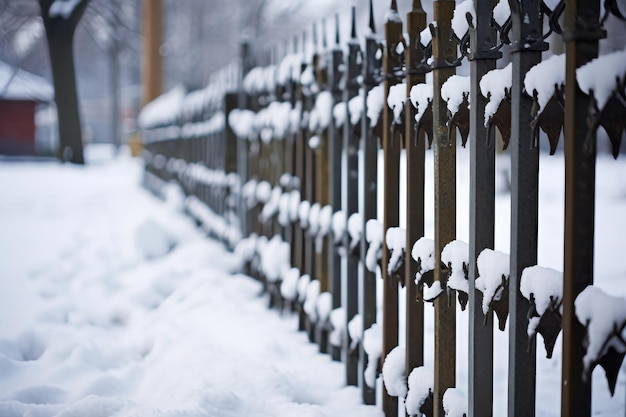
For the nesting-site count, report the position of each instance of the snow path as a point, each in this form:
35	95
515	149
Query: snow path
89	327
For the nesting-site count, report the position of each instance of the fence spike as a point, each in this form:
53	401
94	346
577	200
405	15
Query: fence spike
336	28
315	41
353	32
372	24
324	40
394	5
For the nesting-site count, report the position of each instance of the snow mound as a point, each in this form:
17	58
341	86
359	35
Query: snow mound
153	240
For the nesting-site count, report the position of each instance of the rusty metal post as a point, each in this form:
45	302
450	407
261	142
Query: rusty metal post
335	138
392	145
415	145
444	144
322	169
526	24
351	198
482	211
369	191
582	33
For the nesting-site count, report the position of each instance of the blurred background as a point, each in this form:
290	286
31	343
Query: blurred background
199	37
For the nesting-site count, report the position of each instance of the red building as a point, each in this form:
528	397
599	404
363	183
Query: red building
21	95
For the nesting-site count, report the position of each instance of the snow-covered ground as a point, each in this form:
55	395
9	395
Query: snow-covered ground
97	320
93	322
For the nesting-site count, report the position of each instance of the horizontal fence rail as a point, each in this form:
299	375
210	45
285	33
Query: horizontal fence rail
284	160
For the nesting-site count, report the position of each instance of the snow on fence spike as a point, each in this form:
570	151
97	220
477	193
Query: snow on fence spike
455	403
493	283
455	91
394	372
543	287
604	317
289	284
339	114
275	258
241	122
339	224
423	252
430	293
303	283
355	108
419	398
338	326
310	301
373	347
303	213
314	213
324	306
323	107
609	94
355	228
272	205
496	86
395	239
374	237
545	82
283	210
263	192
355	331
324	222
375	104
455	256
294	205
245	249
421	97
395	101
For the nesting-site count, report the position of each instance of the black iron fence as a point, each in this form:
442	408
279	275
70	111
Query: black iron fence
281	161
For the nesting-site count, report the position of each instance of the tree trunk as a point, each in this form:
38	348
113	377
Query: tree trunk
60	35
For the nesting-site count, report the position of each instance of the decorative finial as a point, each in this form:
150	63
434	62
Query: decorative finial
394	5
324	41
337	29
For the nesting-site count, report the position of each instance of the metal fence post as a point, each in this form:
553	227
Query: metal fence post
242	145
444	52
415	144
482	211
526	24
582	33
369	191
351	198
391	173
335	138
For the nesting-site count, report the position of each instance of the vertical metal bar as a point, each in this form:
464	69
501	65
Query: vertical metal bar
444	52
482	211
415	146
527	23
582	33
351	198
369	192
391	174
242	144
336	74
